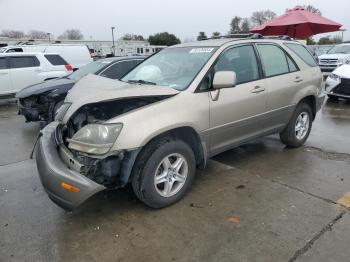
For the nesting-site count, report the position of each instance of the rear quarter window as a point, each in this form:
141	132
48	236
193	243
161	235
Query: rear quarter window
55	60
302	52
24	61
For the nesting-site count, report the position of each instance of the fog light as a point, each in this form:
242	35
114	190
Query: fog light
70	187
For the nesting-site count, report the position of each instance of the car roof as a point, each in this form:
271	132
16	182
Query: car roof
26	54
222	41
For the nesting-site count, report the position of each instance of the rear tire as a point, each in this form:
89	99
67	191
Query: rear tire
298	129
163	172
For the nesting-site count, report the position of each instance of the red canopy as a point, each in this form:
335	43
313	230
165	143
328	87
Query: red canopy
297	23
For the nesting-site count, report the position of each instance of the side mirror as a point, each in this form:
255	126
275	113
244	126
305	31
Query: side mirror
224	79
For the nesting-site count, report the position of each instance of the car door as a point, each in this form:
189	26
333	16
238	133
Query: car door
5	80
235	113
120	68
283	80
24	71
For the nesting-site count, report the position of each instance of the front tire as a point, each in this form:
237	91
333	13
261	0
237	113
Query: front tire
163	172
298	129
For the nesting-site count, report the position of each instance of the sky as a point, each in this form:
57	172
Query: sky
184	18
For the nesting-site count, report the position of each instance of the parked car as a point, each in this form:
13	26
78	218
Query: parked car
18	70
337	56
172	112
317	50
338	83
76	55
39	102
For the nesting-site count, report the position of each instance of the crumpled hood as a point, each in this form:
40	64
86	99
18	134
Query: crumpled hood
49	85
343	71
334	56
93	88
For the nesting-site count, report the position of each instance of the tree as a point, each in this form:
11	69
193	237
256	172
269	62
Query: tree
245	25
312	9
163	39
201	36
235	26
337	39
36	34
215	34
310	41
133	37
261	17
325	41
12	34
72	34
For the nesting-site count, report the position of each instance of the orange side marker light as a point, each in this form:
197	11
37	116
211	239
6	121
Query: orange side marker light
70	187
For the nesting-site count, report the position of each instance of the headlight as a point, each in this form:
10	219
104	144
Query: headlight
334	77
96	139
61	111
344	61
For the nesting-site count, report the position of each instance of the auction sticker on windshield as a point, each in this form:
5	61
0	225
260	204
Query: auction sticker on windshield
201	50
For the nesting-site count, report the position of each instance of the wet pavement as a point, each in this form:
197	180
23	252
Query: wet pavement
258	202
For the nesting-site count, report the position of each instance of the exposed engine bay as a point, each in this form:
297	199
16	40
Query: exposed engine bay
112	170
102	111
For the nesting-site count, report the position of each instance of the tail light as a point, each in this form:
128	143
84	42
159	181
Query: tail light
68	67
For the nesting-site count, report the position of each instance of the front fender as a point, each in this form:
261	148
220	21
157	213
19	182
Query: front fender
186	109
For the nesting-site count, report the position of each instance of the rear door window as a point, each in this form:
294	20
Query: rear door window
3	63
24	61
302	52
274	60
55	60
119	69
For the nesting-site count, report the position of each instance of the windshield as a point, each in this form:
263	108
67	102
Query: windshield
90	68
173	67
340	49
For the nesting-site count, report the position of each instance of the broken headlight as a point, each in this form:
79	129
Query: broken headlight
334	77
95	139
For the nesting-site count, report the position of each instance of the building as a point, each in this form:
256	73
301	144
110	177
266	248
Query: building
97	47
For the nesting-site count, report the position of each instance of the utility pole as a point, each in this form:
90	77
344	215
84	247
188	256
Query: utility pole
49	35
113	40
342	34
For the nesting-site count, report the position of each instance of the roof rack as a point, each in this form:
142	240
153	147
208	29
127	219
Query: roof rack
250	36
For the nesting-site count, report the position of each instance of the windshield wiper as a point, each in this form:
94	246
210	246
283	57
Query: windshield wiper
140	81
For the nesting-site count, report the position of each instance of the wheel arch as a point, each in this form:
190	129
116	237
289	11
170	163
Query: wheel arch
190	136
311	101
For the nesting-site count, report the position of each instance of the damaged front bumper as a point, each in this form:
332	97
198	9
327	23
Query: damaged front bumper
338	87
57	177
32	112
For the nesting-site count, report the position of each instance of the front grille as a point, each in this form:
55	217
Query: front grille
328	61
327	69
343	88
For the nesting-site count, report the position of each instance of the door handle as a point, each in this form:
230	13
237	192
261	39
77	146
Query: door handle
4	73
258	89
298	79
